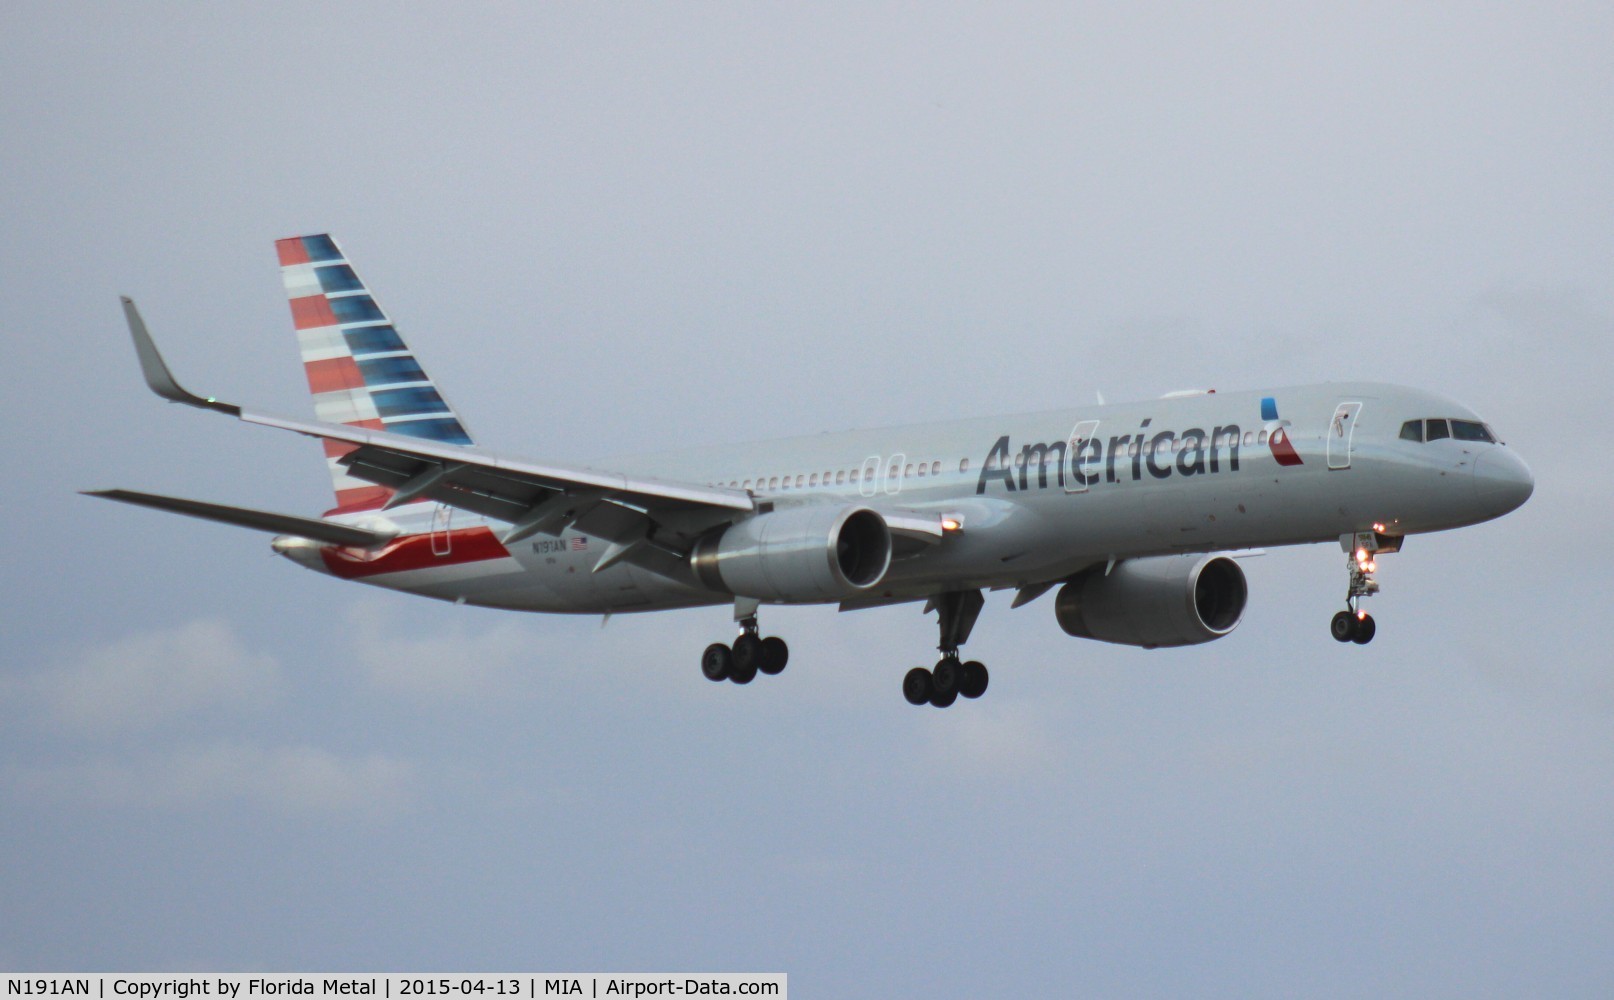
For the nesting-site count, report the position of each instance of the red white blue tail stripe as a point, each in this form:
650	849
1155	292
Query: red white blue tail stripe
360	371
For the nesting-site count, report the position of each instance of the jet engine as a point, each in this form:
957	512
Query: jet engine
814	553
1155	601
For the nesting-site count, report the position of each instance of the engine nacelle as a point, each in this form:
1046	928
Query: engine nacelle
1156	601
815	553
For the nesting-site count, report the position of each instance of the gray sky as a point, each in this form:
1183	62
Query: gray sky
617	229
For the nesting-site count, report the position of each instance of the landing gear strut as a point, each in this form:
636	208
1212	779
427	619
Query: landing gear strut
751	653
951	677
1354	624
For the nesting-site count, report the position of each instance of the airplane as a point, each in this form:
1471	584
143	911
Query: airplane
1137	512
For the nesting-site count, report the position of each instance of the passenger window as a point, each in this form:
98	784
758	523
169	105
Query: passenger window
1262	439
1469	430
1437	429
908	470
963	466
1412	430
773	483
854	475
747	484
840	477
812	480
923	469
935	468
800	481
1249	439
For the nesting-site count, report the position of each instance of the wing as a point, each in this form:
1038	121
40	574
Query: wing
645	520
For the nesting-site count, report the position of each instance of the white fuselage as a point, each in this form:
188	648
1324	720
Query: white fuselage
1037	497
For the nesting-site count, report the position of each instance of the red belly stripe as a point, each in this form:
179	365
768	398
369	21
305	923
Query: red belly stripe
466	545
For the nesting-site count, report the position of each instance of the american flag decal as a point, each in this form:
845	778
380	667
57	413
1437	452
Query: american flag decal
579	543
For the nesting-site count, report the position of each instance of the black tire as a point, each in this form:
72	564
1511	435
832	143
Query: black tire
1364	630
917	686
941	699
775	654
948	674
1343	627
748	653
975	679
743	675
717	661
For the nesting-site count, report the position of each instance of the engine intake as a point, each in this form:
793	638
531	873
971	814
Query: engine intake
815	553
1155	601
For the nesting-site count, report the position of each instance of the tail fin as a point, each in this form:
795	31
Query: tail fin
360	371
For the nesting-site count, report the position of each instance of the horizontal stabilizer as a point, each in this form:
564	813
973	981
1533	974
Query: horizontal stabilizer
284	524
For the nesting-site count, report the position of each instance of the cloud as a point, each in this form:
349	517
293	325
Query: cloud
143	681
291	779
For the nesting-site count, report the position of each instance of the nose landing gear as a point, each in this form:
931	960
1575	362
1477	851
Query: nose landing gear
1354	624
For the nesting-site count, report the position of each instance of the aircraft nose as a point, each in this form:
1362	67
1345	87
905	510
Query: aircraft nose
1502	481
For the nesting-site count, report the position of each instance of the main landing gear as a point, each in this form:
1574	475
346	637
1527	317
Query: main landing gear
1354	624
751	654
942	684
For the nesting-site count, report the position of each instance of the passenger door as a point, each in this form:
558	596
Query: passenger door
1340	432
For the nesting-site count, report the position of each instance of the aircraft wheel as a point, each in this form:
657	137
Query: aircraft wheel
941	699
748	652
975	679
742	675
948	674
775	654
1364	630
716	662
1343	627
917	686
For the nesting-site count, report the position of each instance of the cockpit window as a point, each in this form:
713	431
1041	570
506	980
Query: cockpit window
1436	428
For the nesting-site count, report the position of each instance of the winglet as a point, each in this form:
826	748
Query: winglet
158	377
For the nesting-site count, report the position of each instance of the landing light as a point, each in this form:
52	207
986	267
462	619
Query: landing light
1378	527
951	524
